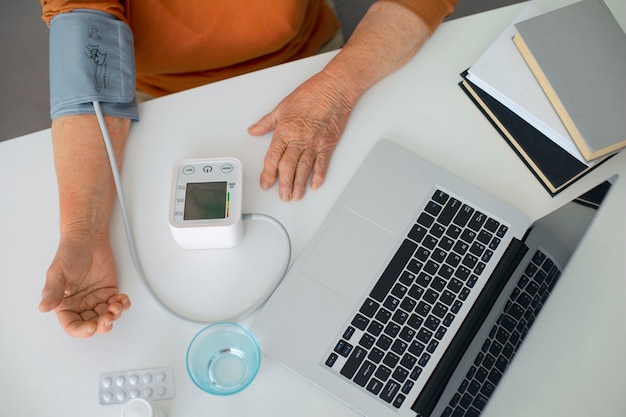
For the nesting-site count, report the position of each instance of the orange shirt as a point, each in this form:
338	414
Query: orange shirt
180	44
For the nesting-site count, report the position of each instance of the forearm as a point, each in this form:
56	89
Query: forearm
86	187
387	37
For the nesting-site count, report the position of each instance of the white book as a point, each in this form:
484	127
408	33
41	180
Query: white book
502	72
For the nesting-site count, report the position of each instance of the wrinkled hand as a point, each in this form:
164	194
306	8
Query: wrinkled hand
81	288
307	126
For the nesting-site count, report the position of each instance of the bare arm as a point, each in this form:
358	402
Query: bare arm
81	283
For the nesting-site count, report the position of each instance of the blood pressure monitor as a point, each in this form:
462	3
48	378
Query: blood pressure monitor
206	201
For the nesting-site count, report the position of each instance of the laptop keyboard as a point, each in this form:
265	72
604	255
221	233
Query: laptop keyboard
389	342
505	337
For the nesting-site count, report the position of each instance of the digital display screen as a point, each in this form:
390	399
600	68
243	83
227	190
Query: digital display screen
206	200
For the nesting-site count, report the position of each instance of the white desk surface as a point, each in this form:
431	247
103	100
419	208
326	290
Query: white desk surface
571	364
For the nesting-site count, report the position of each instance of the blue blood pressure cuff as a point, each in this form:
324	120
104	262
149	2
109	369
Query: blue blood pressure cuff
91	59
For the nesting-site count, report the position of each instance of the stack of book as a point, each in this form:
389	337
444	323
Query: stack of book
554	85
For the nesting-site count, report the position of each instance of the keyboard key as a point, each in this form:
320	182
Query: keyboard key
375	328
392	329
438	284
432	346
453	231
441	332
440	310
446	243
367	341
374	386
400	374
492	225
383	373
365	373
408	304
417	348
440	197
468	235
406	388
390	391
495	242
437	230
340	346
423	309
415	321
431	267
445	272
423	279
415	373
461	247
463	215
456	307
348	333
408	361
432	323
383	315
430	296
360	322
399	401
429	242
393	270
453	259
415	266
400	317
424	335
416	292
438	255
407	278
331	360
447	298
353	362
424	360
433	208
417	232
391	303
407	334
449	211
422	254
470	261
399	290
455	285
369	308
539	257
488	389
376	355
425	220
384	342
484	237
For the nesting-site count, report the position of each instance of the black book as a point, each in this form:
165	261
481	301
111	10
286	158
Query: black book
554	167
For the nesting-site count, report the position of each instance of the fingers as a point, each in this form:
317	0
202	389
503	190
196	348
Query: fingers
98	320
293	164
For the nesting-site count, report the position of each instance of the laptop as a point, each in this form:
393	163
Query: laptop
414	294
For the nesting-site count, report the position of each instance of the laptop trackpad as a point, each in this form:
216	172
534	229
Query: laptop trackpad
344	255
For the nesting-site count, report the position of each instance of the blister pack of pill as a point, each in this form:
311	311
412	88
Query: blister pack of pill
151	384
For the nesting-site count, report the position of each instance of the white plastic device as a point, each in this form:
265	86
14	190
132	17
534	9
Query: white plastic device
133	248
206	201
